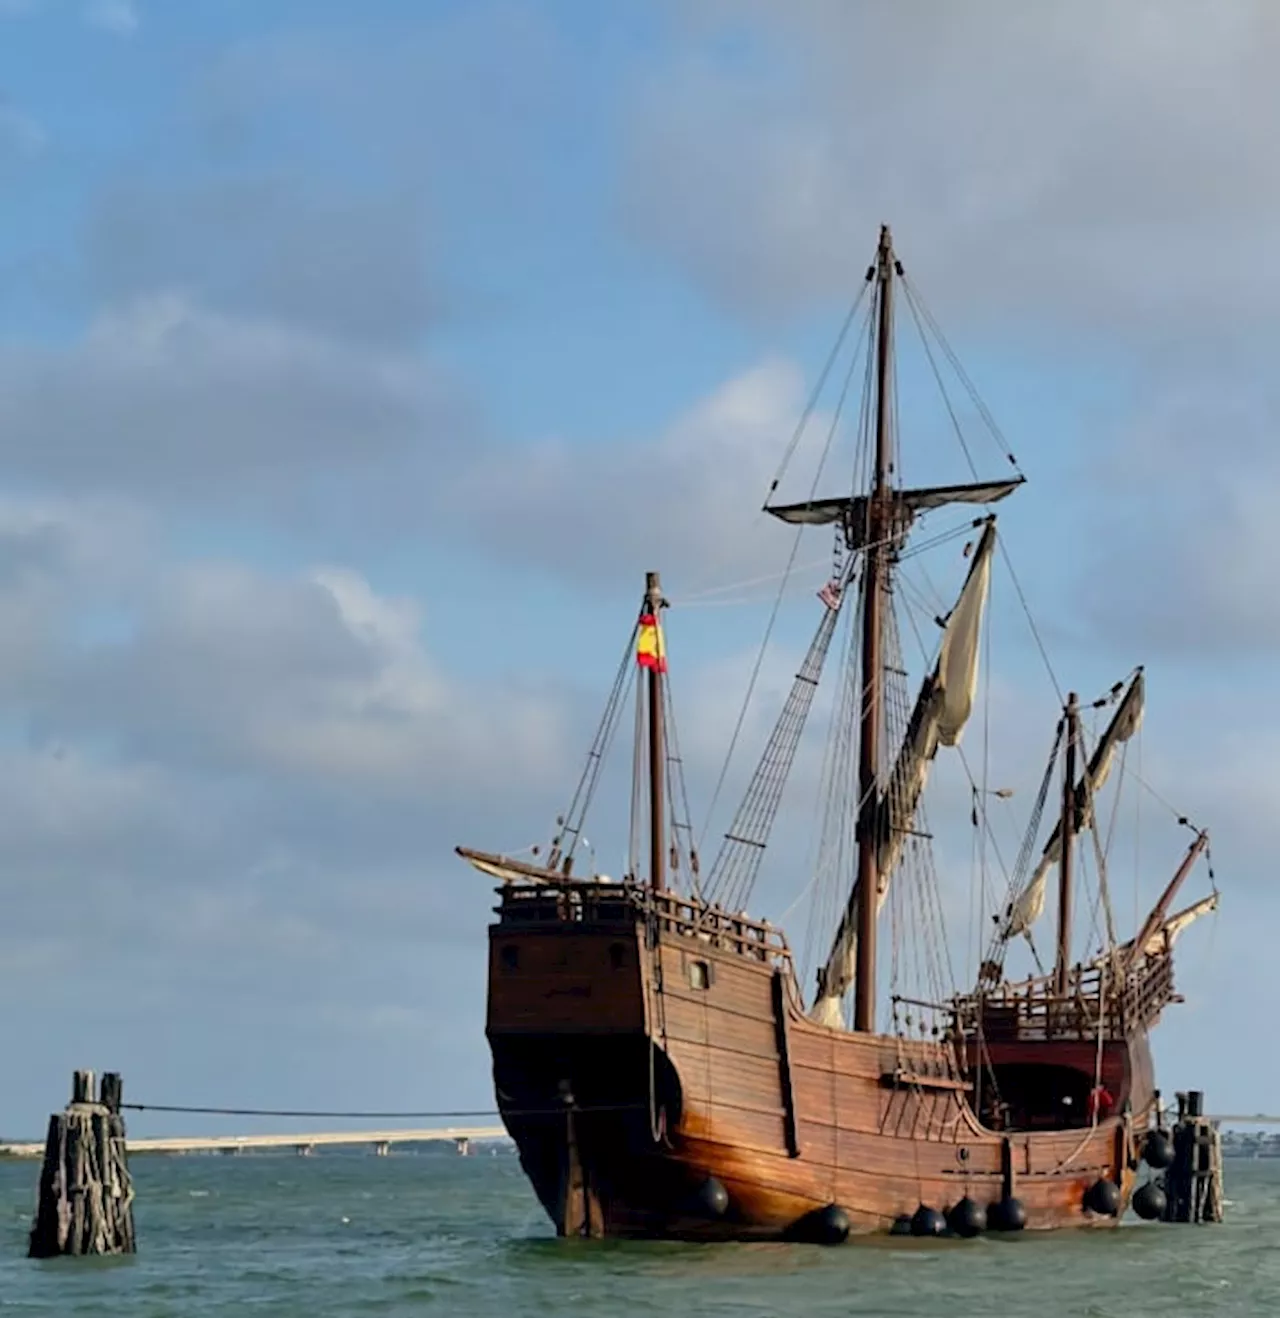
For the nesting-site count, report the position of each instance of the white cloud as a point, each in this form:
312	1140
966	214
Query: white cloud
19	132
164	398
238	780
118	16
687	499
1110	162
1191	485
313	679
272	245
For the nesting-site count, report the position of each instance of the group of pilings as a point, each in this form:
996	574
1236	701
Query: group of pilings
1193	1181
85	1201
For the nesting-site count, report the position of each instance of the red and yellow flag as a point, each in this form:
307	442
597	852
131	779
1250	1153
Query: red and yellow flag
651	652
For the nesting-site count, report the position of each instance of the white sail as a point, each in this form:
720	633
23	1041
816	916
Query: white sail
507	869
1029	904
1164	937
943	708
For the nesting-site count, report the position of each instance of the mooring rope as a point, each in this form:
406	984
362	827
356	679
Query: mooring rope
281	1112
374	1116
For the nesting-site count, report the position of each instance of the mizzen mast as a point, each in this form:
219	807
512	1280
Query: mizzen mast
874	565
1069	823
652	656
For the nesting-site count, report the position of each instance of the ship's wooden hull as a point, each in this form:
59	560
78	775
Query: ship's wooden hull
659	1085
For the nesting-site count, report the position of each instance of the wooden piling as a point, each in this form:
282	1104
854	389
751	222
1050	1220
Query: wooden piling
85	1203
1193	1182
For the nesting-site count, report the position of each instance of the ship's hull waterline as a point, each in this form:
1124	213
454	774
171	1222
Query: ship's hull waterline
659	1085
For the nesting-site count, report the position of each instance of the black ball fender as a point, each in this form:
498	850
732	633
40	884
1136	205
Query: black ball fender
967	1218
1103	1197
1150	1201
1157	1150
1008	1214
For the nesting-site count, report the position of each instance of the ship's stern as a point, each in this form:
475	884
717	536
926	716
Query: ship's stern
584	1089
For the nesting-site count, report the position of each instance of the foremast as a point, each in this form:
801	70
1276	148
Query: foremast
1134	978
1068	827
1077	813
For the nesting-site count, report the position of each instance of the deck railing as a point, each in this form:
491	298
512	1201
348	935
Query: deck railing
614	904
1095	997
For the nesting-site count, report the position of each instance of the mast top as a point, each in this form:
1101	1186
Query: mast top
852	512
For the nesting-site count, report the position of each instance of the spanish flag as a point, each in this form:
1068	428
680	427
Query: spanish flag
651	652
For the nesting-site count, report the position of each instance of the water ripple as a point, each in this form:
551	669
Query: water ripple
436	1234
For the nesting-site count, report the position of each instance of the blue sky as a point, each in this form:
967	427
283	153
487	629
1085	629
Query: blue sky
355	362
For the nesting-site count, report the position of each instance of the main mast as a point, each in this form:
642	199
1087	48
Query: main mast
872	670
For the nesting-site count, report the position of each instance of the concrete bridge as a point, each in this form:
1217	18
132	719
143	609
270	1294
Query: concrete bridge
303	1142
306	1143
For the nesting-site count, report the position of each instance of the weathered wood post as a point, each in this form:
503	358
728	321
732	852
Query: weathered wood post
85	1201
1193	1182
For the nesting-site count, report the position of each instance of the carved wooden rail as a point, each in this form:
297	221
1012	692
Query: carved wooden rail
627	903
1034	1009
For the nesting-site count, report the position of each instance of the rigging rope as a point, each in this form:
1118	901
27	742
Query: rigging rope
978	863
639	761
931	952
1022	864
573	819
675	780
737	864
915	297
1100	861
929	657
1031	622
942	388
834	811
699	598
816	393
294	1112
1137	837
751	686
795	544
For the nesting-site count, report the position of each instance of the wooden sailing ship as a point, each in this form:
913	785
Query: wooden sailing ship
655	1057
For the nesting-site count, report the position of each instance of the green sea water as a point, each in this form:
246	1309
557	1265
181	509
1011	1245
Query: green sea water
432	1233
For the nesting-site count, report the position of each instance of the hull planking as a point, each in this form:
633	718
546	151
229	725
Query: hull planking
643	1050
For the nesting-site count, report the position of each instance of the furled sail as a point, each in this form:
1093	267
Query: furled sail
852	513
1166	933
938	719
1027	908
507	869
852	509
